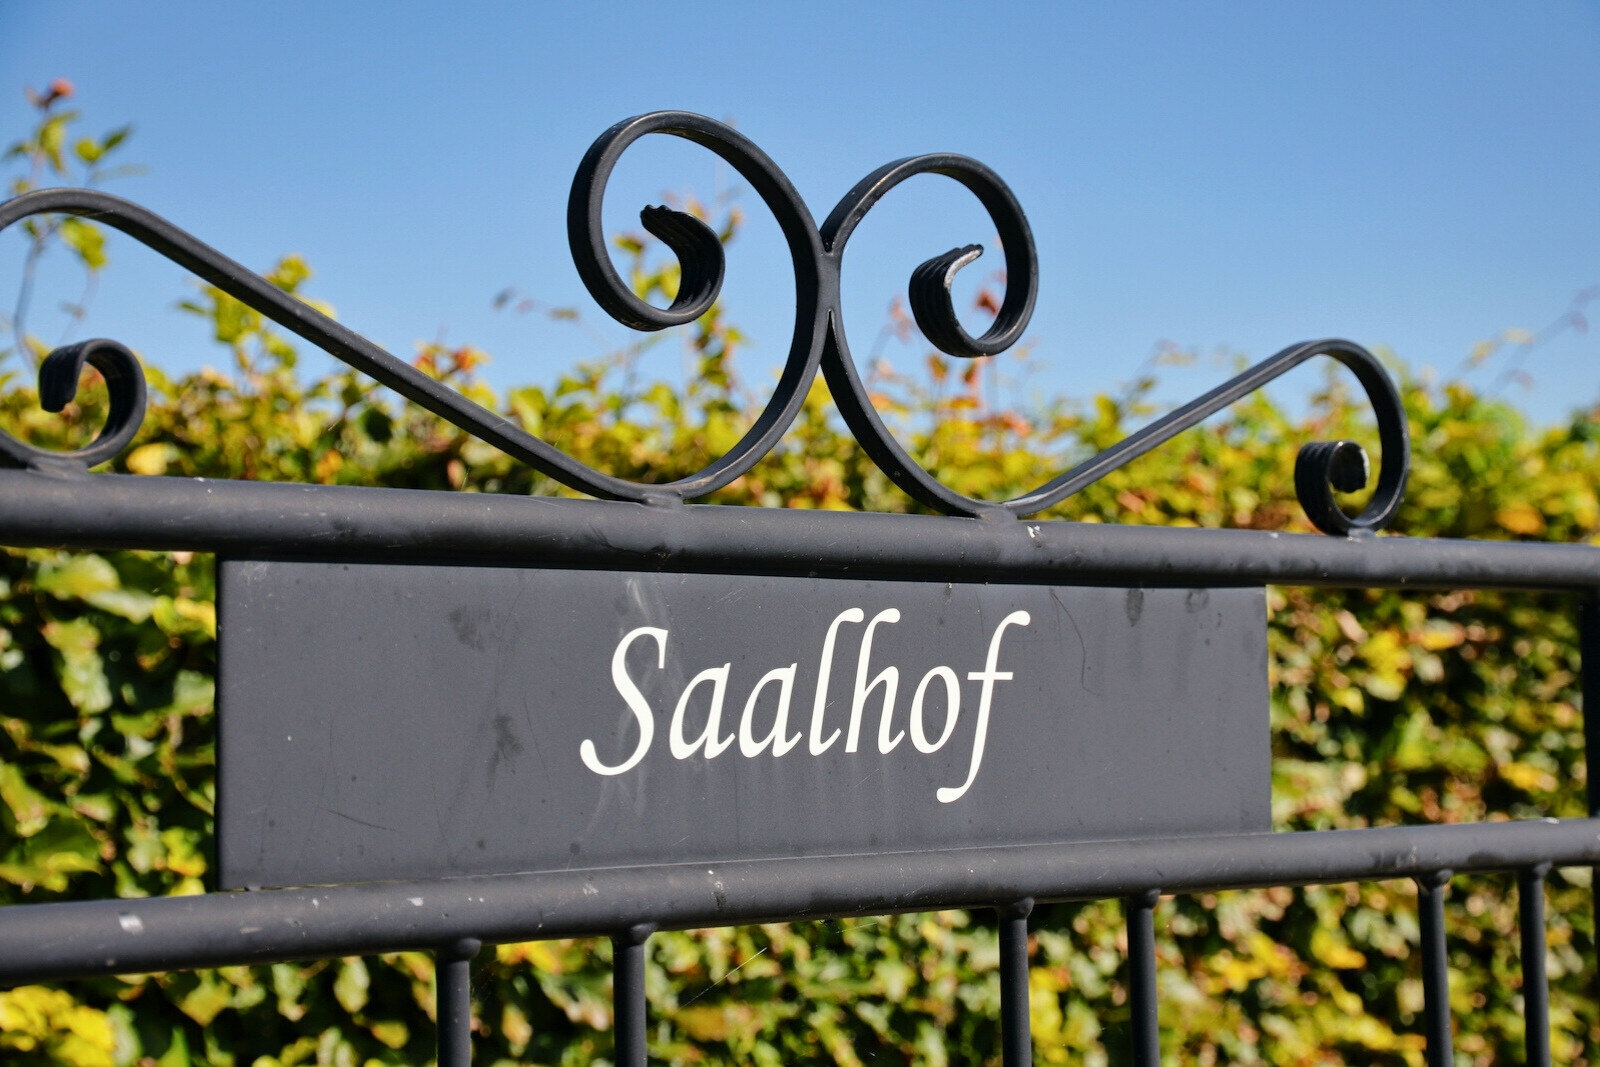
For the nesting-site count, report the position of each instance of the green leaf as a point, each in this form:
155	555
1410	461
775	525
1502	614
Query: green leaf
350	988
47	859
87	241
82	675
131	604
290	273
28	808
392	1032
177	1054
52	137
77	577
207	998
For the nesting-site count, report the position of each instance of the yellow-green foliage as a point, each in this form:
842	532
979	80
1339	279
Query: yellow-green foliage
1386	708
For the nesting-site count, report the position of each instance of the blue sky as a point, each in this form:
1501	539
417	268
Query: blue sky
1229	178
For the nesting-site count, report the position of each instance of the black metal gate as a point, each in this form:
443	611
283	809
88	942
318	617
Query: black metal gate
51	500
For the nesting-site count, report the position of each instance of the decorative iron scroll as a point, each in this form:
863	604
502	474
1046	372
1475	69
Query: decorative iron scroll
818	341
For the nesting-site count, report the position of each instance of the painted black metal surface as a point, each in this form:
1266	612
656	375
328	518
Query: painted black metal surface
818	339
402	722
243	518
50	941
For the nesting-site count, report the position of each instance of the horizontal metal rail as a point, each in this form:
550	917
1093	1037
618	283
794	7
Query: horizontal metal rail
124	511
45	942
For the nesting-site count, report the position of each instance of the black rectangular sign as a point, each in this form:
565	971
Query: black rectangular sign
398	721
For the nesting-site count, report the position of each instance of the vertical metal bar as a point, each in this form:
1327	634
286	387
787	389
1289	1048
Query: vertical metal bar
628	1007
1139	912
1535	987
452	990
1016	1029
1589	665
1435	969
1589	655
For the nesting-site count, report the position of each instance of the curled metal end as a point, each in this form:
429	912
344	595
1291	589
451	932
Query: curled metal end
700	260
58	385
1324	467
929	290
935	311
701	268
697	247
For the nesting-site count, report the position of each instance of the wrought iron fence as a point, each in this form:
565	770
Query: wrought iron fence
50	499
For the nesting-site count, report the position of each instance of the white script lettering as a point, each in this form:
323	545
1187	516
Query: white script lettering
711	743
952	701
631	697
988	676
824	674
748	744
714	745
889	678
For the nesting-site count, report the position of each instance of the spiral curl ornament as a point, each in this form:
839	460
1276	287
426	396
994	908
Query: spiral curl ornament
931	304
701	269
818	341
58	387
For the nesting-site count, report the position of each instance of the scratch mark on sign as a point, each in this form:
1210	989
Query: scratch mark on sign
360	822
322	791
1083	649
